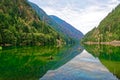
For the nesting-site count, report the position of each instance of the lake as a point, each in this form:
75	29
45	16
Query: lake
60	63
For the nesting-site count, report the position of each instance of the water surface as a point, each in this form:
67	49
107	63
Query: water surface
108	55
83	67
32	62
95	62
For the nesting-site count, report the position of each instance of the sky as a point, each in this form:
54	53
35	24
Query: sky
84	15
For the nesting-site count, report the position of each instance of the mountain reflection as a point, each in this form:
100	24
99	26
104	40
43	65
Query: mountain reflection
108	55
84	66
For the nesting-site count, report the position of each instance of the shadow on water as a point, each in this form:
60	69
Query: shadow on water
108	55
32	62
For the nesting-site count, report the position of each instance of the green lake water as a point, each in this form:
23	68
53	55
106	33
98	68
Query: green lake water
35	62
32	62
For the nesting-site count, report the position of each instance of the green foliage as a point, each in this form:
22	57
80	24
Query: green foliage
0	39
9	37
0	47
108	29
20	25
89	36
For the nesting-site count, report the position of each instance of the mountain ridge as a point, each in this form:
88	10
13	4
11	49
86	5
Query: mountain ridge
72	31
53	23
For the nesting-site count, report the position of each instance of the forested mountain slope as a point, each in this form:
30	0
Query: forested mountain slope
20	25
108	30
67	31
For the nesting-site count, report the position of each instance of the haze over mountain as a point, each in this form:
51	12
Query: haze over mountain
58	24
67	28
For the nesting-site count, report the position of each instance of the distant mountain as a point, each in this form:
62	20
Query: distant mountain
20	25
68	29
44	17
63	28
108	30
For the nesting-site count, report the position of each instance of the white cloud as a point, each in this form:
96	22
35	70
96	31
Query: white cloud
83	15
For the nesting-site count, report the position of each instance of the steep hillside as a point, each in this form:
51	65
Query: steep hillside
20	25
67	31
108	30
44	17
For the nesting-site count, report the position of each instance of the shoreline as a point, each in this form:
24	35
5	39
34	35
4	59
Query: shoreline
112	43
